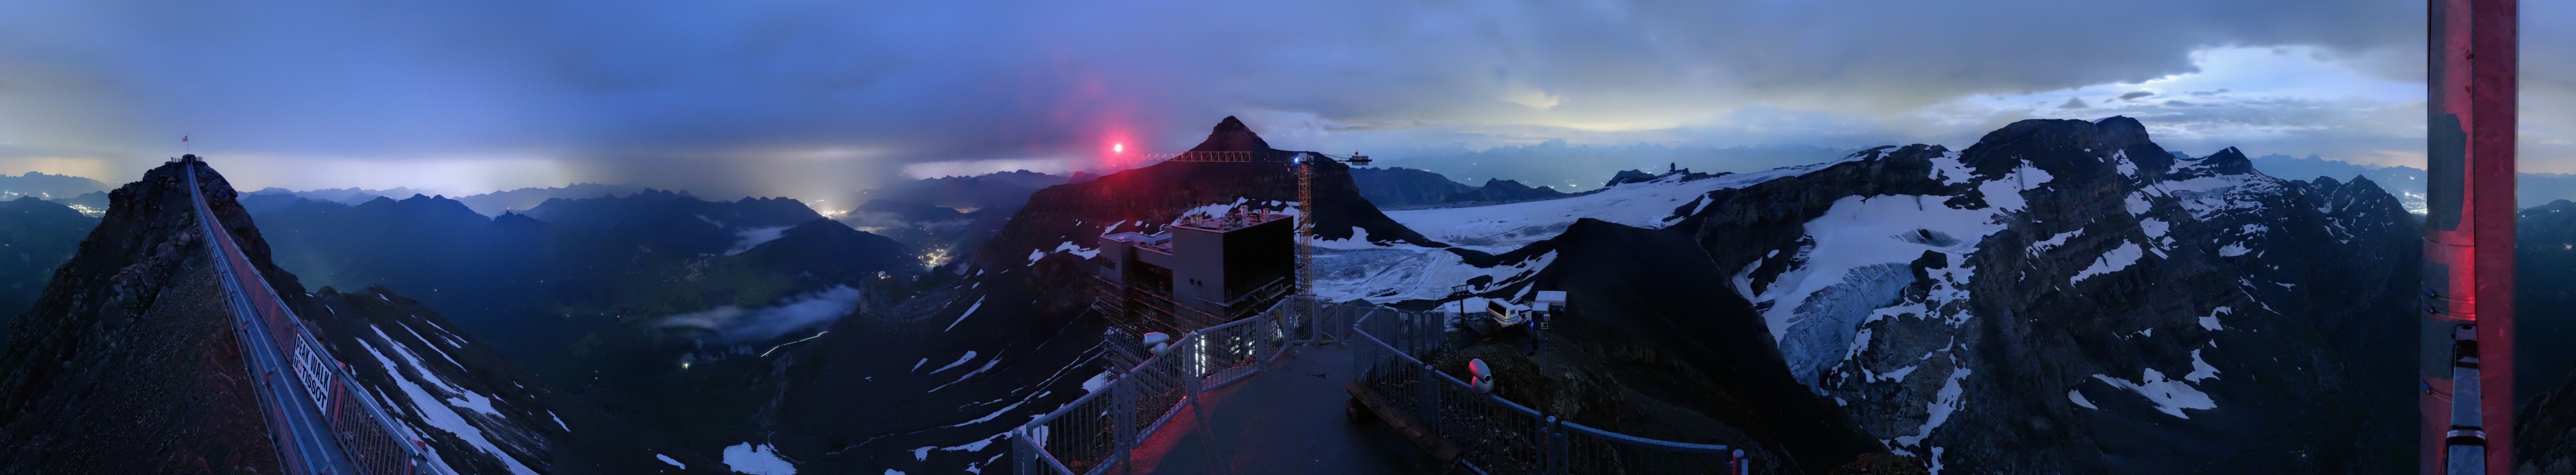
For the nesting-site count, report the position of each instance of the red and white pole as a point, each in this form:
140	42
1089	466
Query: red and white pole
2468	238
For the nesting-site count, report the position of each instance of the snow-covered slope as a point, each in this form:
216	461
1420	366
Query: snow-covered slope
2063	296
1395	272
478	413
2065	290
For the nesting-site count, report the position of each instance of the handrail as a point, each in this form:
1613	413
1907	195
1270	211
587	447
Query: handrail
1635	440
1197	362
1562	446
252	327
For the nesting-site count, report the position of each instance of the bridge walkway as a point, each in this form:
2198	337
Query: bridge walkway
320	420
303	437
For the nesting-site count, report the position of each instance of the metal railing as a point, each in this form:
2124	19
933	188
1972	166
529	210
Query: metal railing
1099	430
341	430
1500	436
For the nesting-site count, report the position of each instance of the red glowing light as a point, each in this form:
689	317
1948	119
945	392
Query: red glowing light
1118	148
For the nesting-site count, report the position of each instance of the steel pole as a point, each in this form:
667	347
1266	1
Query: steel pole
2467	329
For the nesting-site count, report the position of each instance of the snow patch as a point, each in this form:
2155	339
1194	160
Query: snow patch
1647	204
2054	241
961	318
2119	258
2156	229
756	460
1943	403
988	365
1069	248
1211	210
2200	369
2078	397
969	356
431	411
2170	397
1897	375
667	459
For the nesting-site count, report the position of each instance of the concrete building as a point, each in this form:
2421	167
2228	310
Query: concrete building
1205	271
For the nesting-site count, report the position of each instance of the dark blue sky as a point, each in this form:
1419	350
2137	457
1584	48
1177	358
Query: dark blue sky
806	98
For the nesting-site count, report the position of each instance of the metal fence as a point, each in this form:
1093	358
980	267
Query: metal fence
1100	429
1499	436
1310	321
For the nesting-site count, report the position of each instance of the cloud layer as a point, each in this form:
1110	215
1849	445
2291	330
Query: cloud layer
732	324
803	98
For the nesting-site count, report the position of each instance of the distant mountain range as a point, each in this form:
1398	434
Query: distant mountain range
1574	168
488	204
607	297
1401	186
35	237
2530	189
45	186
126	364
992	190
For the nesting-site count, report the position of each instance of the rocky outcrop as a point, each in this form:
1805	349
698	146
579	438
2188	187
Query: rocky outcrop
136	301
1701	370
474	407
2064	291
2060	297
127	363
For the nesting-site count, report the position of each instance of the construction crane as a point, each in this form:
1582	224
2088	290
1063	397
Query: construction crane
1301	164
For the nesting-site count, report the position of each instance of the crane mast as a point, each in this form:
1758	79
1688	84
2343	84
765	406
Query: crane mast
1306	234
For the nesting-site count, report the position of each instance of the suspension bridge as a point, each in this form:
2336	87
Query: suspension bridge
319	419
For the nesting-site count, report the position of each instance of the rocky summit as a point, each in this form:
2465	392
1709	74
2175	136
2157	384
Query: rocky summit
126	363
2063	296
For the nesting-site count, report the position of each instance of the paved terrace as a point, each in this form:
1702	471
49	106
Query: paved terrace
1287	419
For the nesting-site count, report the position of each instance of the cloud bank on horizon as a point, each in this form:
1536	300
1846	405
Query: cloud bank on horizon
807	99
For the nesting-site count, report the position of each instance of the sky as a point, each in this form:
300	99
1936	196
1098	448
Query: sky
815	98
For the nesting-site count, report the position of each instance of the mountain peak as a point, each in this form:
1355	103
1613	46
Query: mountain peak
1230	135
2229	161
2066	147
